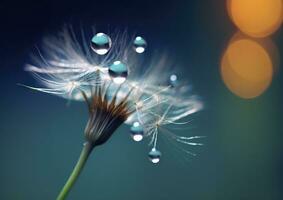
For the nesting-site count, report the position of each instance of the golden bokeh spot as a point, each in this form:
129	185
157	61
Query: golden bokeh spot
257	18
267	44
246	68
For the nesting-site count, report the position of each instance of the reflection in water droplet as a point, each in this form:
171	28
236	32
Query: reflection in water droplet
154	155
139	44
101	43
118	71
137	131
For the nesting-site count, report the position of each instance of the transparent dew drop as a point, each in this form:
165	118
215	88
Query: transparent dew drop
101	43
154	155
118	71
139	44
173	80
137	131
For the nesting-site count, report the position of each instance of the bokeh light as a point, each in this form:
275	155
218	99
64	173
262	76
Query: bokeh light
246	67
257	18
267	43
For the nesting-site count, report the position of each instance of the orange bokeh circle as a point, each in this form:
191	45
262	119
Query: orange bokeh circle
246	68
257	18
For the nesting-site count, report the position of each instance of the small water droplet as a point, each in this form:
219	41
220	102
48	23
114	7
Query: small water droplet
101	43
118	71
137	131
173	80
154	155
139	44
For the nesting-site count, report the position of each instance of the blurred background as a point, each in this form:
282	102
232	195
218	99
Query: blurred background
237	75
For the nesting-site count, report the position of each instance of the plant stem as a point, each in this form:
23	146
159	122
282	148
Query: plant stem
76	171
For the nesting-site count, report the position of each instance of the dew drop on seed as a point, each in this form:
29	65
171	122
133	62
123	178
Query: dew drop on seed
173	80
139	44
118	71
101	43
137	131
154	155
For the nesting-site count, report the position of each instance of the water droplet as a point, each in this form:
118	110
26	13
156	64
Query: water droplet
101	43
154	155
118	71
173	79
139	44
137	131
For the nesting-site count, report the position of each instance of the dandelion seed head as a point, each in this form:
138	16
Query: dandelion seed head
105	71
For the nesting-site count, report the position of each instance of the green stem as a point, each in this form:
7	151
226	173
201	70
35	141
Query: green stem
76	172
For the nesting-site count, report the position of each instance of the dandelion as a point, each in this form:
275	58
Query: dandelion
106	73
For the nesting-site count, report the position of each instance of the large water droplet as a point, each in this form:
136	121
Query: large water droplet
137	131
154	155
173	80
139	44
101	43
118	71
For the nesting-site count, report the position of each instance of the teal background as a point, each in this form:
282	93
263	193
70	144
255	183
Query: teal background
41	136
